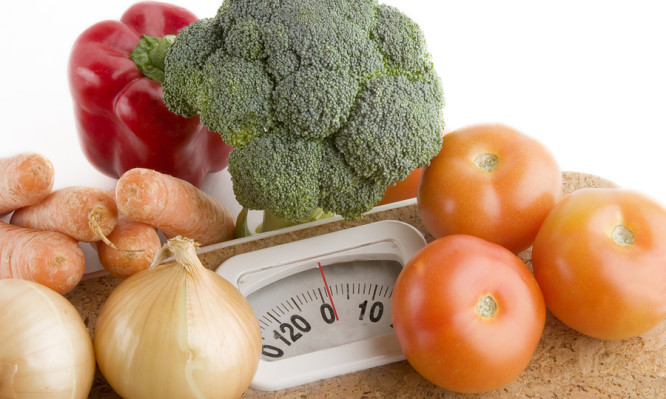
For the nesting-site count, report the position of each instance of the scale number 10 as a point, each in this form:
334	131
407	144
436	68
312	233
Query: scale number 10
375	312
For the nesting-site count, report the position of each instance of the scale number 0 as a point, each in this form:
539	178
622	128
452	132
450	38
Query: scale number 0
291	332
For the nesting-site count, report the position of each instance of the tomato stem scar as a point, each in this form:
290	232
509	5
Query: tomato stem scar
486	307
486	162
622	236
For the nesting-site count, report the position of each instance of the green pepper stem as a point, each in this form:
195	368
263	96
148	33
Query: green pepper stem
150	53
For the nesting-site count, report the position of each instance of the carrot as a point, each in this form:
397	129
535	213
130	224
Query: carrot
86	214
174	206
25	179
136	244
45	257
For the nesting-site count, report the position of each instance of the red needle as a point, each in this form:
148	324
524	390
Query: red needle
321	270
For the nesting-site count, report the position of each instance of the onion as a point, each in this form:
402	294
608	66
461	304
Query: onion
177	330
45	349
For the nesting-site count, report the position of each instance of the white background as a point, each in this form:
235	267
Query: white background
586	78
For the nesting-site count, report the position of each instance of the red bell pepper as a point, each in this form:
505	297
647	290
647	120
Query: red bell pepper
121	119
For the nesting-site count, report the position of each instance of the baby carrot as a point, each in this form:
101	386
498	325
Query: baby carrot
25	179
135	243
174	206
45	257
86	214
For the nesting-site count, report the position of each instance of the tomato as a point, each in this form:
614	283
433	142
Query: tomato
492	182
467	313
600	259
404	189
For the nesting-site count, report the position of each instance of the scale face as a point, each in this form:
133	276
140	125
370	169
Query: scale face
324	303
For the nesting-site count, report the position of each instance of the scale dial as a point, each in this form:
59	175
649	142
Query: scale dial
323	303
307	319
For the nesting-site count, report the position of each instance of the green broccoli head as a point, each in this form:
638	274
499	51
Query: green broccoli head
326	102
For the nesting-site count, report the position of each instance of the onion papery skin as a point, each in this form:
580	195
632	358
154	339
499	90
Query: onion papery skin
45	348
175	331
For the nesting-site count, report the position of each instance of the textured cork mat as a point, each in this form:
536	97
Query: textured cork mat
566	364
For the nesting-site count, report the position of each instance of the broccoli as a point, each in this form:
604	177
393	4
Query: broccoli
278	172
326	102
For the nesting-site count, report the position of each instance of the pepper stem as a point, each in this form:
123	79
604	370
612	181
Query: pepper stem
150	53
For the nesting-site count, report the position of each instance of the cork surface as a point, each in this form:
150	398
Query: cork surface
566	364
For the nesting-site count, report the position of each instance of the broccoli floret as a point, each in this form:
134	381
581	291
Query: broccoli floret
326	102
240	108
344	191
277	171
315	103
186	60
244	40
400	40
394	126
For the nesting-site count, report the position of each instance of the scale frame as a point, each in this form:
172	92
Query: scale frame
251	271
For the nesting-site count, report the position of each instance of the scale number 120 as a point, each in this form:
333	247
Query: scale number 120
290	332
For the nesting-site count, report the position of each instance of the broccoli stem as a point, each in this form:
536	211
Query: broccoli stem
242	229
149	55
271	222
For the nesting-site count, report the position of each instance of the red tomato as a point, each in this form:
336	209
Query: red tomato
468	314
600	259
404	189
492	182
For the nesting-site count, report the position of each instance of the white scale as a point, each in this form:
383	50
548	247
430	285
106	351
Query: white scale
324	303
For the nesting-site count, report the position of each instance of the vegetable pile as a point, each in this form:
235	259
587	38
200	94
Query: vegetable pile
326	103
41	241
49	351
468	313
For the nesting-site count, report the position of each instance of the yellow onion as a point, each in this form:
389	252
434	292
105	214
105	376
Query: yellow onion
177	330
45	349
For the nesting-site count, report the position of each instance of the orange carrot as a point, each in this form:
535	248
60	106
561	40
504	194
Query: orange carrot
86	214
45	257
25	179
136	244
174	206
